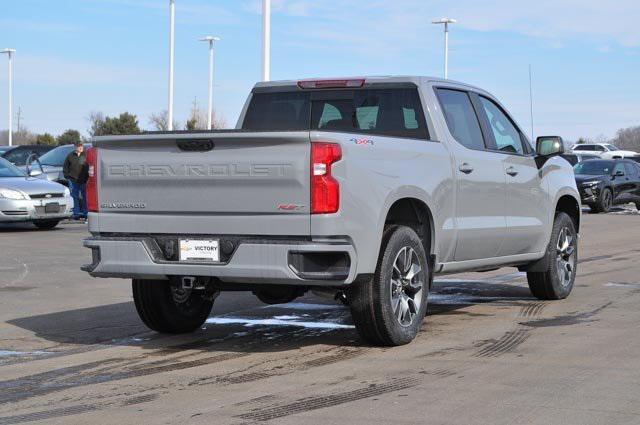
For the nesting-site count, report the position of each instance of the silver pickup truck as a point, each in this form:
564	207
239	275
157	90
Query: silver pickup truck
362	188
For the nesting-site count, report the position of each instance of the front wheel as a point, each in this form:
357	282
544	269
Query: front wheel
605	202
389	309
557	280
167	308
46	224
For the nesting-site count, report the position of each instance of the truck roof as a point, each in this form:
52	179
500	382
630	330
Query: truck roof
379	79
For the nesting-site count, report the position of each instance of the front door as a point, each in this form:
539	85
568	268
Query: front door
527	207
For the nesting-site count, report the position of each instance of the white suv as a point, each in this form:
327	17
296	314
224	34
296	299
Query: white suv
603	150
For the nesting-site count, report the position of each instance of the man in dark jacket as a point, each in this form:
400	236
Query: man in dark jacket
76	171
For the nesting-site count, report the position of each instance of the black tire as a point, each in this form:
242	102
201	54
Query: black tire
551	284
154	300
46	224
371	301
638	206
605	201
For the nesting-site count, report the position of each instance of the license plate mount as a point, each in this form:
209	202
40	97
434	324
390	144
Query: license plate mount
200	250
52	208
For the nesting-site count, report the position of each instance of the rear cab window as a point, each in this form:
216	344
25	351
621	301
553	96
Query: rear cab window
388	111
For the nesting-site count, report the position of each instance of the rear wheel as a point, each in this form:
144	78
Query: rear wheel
166	307
46	224
389	309
557	280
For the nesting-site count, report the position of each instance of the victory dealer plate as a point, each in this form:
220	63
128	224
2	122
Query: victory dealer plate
200	250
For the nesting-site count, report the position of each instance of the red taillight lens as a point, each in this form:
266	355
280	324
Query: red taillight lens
325	190
92	182
331	84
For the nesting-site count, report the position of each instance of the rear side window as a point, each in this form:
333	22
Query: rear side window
388	112
461	118
584	148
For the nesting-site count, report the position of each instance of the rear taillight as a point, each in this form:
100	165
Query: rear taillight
325	190
92	182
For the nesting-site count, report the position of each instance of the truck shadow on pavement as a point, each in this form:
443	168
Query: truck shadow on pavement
262	328
305	334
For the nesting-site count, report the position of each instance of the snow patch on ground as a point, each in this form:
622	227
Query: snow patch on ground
275	322
10	353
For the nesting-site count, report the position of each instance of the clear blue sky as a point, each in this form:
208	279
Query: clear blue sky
78	56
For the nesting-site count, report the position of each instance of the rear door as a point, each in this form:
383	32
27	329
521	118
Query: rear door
480	193
527	206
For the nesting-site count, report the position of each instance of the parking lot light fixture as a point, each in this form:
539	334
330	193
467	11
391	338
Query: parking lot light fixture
266	40
10	53
445	22
172	22
211	40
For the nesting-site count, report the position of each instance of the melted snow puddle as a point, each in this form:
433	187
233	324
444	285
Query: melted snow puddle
329	320
10	353
276	322
463	299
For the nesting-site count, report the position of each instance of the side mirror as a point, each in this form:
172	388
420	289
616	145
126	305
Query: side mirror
547	146
35	173
619	173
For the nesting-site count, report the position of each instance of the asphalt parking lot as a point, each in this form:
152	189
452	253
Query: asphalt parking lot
72	349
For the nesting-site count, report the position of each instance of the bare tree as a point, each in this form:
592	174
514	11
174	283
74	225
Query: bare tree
628	138
160	121
96	120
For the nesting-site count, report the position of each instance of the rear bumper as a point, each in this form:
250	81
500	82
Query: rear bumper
253	261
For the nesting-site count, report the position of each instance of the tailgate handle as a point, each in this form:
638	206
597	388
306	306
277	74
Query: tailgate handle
195	145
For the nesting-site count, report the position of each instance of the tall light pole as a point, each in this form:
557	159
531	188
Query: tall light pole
211	41
10	53
266	40
446	22
172	22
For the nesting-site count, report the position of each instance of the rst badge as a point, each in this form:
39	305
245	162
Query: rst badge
361	141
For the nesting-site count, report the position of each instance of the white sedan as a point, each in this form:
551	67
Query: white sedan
28	198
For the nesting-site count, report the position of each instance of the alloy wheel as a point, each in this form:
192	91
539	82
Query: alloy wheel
407	284
566	256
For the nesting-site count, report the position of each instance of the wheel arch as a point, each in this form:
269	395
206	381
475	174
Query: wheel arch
414	212
569	205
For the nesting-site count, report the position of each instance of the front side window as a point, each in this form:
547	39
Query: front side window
461	118
506	135
631	169
618	168
599	148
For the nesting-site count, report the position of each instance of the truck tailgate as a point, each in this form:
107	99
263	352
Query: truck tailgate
215	183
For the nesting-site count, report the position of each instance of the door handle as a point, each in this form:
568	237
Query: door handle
512	171
465	168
